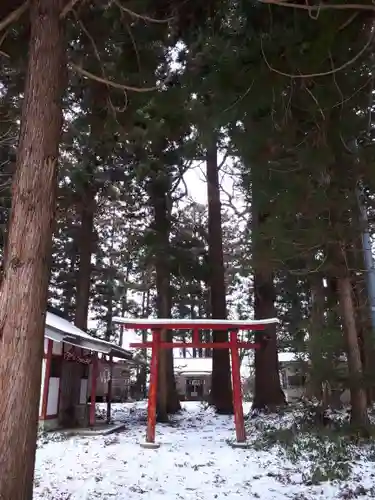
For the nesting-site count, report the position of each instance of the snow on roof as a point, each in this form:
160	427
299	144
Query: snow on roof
204	322
288	357
201	366
285	357
62	330
65	326
193	365
129	337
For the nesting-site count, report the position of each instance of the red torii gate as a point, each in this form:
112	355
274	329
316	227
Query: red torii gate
156	325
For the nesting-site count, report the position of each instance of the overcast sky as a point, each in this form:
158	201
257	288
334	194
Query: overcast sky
195	179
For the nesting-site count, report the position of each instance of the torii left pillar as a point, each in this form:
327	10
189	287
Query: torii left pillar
153	393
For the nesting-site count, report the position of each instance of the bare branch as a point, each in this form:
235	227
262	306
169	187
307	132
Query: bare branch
182	169
324	73
110	83
14	15
5	34
230	203
348	21
183	194
237	101
97	55
320	6
128	29
68	8
316	102
223	161
19	11
141	16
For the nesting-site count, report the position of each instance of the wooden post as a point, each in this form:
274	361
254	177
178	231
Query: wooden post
47	375
109	393
237	393
153	389
196	338
94	375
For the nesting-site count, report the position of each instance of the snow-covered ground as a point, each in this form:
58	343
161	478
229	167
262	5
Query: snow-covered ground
195	462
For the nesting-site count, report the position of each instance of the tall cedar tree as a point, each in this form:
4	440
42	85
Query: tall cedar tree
24	288
159	190
86	207
268	392
221	389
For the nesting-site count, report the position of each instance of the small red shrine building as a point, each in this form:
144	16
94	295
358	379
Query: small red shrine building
65	345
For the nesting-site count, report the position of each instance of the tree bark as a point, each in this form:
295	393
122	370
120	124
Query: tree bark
338	256
124	303
71	372
168	401
85	252
110	281
359	415
267	390
365	333
86	207
221	388
362	308
69	287
314	386
23	294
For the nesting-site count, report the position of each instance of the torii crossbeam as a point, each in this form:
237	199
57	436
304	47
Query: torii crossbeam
195	325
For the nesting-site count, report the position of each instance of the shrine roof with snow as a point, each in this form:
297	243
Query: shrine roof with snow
62	330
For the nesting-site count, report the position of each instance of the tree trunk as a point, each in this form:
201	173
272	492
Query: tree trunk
86	235
23	294
110	281
87	205
365	333
168	401
267	391
71	372
359	415
69	288
314	387
221	387
362	308
124	302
